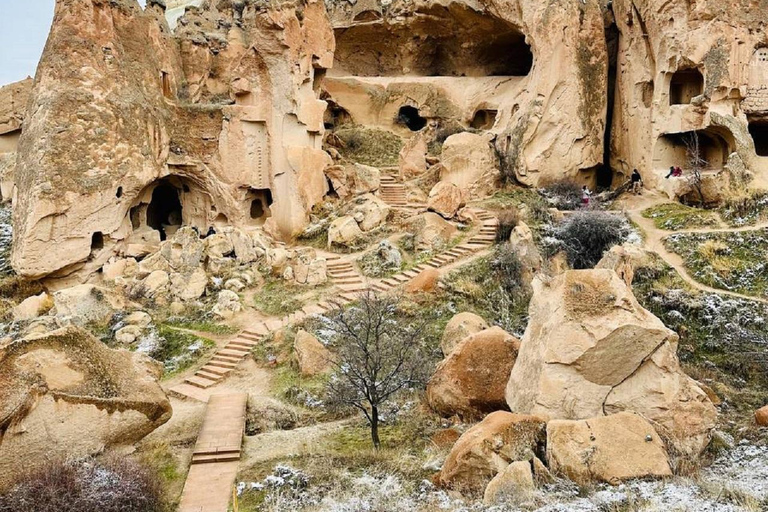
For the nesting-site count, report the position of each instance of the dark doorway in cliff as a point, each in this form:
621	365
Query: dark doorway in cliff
261	200
164	210
484	119
409	116
759	132
335	116
675	150
685	85
97	241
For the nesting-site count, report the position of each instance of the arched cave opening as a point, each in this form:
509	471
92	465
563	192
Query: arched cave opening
164	212
261	200
685	85
439	41
97	241
410	117
679	149
759	132
335	116
484	119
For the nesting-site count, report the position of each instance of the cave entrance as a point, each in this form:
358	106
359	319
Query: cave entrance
759	132
484	119
164	212
260	201
452	41
335	116
685	85
679	149
409	116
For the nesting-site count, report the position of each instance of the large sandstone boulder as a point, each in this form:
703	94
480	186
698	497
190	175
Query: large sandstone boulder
590	349
522	243
458	328
424	281
471	381
343	231
86	303
761	416
513	483
470	162
624	260
489	447
431	231
311	355
609	449
445	198
65	394
32	307
370	212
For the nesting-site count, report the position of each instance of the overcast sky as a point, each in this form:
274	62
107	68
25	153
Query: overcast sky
24	26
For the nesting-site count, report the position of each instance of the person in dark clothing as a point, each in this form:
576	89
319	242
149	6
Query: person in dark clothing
670	173
637	181
210	232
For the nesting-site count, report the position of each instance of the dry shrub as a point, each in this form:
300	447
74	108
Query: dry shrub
564	194
508	220
112	485
586	235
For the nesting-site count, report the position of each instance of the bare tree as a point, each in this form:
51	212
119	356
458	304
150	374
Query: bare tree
696	163
377	355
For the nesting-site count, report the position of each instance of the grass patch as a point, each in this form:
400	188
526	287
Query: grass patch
730	261
179	350
369	146
676	216
279	298
533	208
747	210
201	326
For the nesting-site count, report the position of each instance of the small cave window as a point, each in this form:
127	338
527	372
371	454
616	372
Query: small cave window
119	192
164	210
261	200
332	193
409	116
335	116
97	241
759	132
686	84
484	119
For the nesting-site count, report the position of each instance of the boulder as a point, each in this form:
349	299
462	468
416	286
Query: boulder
139	318
470	162
128	334
522	243
65	394
590	349
489	447
445	198
431	231
32	307
155	283
425	281
343	231
242	245
218	246
308	268
610	449
624	259
311	355
184	250
121	267
189	286
390	256
227	304
370	212
513	483
412	160
85	303
364	179
761	416
470	382
458	328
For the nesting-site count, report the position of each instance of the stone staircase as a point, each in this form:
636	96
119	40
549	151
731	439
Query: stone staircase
216	455
225	359
343	274
391	191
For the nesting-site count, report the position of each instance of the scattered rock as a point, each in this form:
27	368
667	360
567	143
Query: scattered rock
624	259
128	334
86	303
471	380
343	231
432	231
458	328
425	281
371	211
312	356
227	304
445	199
761	416
32	307
608	449
513	483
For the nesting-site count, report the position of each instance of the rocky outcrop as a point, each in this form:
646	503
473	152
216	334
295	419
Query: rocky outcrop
65	394
609	449
471	380
590	349
489	447
214	124
458	328
311	355
761	416
445	198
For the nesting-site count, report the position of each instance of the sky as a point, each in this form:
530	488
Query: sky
24	26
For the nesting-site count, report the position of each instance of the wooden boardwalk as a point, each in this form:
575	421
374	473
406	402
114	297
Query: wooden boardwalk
216	456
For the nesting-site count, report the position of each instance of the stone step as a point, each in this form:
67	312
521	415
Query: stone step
218	356
410	273
250	336
434	264
200	382
207	459
240	344
215	370
208	375
311	309
400	278
231	352
221	364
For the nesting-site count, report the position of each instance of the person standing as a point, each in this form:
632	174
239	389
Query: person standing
585	193
637	181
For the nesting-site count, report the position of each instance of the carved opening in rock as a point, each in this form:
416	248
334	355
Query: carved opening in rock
676	150
484	119
647	93
685	85
335	116
97	241
409	116
221	220
119	192
9	141
759	132
166	82
164	210
332	193
758	68
261	200
437	41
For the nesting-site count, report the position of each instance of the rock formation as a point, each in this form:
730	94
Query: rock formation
214	124
590	349
65	394
13	107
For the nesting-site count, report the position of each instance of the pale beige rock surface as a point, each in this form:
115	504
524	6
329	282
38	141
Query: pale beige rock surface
445	198
513	483
311	355
459	327
590	349
609	449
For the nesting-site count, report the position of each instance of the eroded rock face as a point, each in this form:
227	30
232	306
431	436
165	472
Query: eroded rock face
609	449
471	380
65	394
214	124
489	447
590	349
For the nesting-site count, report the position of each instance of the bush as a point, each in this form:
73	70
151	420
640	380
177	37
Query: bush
507	268
564	194
114	485
586	235
508	220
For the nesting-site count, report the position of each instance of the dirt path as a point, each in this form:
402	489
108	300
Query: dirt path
654	241
287	443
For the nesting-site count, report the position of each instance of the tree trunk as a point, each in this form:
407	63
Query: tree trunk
375	427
